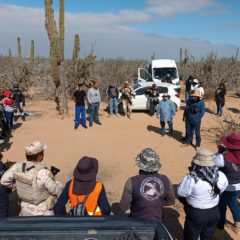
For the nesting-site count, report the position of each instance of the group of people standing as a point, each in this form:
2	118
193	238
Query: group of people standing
11	102
212	184
93	100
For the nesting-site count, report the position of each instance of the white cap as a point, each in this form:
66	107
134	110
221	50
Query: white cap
195	80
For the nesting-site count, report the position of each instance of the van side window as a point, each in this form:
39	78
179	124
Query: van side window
162	90
141	91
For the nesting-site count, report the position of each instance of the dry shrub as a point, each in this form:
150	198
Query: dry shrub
212	71
229	124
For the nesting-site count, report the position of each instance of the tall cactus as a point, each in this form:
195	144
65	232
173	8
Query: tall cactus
61	29
9	54
32	53
181	52
76	48
186	57
19	48
57	52
51	28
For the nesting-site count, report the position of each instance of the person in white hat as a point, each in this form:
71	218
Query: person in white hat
199	192
194	85
35	184
193	114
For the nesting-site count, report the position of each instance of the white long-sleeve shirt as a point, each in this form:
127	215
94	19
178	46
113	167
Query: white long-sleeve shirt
199	194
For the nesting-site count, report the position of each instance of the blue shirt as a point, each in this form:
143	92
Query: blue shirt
166	110
195	110
60	208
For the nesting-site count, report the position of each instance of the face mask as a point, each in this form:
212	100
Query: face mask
195	99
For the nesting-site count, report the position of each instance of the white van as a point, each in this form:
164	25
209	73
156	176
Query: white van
158	70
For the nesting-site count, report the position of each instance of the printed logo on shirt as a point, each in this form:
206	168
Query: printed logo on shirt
152	188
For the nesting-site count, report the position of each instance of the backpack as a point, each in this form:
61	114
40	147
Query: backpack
80	210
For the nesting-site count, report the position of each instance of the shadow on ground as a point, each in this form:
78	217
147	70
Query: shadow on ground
234	110
177	135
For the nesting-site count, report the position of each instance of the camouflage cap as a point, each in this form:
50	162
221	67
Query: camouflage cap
35	148
148	160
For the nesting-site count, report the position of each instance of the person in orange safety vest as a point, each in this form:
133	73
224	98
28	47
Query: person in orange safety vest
84	189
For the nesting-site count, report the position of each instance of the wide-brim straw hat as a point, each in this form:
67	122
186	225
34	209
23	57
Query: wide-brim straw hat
196	94
204	157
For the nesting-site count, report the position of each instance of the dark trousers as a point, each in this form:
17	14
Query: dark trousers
229	199
93	110
9	118
4	201
200	223
152	108
193	127
80	111
170	125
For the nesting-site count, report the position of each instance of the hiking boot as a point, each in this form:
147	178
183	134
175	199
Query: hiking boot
219	234
236	228
90	124
75	128
98	123
85	127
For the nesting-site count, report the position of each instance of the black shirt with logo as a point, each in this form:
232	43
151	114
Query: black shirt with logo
80	97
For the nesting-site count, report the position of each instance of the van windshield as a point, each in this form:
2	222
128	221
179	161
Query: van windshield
161	73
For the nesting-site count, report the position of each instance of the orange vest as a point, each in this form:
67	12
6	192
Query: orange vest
91	203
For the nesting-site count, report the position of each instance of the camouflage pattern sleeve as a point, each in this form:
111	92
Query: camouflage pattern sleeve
46	179
8	179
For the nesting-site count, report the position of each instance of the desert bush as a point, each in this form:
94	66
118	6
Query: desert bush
212	71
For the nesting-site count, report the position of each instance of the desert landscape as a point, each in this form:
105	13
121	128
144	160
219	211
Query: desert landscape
115	144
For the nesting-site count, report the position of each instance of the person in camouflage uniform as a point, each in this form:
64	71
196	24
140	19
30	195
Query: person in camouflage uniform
127	95
35	184
146	193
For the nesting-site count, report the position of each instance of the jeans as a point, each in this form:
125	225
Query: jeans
9	118
191	128
200	223
170	125
113	106
219	108
93	112
80	111
186	96
229	199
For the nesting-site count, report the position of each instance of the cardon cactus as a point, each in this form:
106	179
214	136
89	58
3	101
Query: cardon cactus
32	53
181	56
19	48
61	29
10	55
51	28
186	56
76	48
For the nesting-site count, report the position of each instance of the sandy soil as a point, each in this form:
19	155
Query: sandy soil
114	144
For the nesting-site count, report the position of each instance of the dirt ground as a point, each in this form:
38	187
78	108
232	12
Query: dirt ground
115	144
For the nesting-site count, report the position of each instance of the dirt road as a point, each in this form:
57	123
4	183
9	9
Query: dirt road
115	144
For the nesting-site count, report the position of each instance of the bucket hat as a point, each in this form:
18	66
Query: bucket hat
204	157
148	160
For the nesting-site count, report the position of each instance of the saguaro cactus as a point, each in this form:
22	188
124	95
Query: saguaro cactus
57	52
186	57
180	56
19	48
32	53
61	29
76	48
